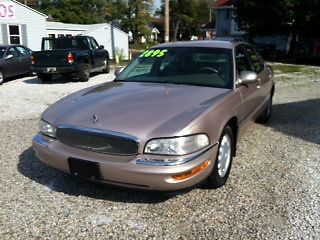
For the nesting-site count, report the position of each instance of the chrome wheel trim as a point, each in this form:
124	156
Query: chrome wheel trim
224	157
1	77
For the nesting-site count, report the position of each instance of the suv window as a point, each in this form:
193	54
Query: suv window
94	44
242	61
256	59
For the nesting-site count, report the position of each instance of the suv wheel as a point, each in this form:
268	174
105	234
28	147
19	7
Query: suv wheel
45	77
222	167
266	115
84	74
1	77
106	68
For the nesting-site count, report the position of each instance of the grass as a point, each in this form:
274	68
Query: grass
285	68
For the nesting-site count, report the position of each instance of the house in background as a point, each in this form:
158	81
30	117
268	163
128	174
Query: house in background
226	26
113	39
20	24
209	31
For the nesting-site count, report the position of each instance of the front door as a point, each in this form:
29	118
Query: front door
99	54
12	63
247	92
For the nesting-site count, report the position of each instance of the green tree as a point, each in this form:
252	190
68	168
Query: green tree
187	16
137	17
75	11
299	18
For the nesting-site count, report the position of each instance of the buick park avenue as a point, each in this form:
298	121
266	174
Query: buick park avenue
170	120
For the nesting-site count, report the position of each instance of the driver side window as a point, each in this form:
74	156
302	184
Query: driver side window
12	51
242	61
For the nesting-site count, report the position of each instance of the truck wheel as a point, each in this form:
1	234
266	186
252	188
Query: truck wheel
222	166
267	112
106	66
1	77
84	74
45	77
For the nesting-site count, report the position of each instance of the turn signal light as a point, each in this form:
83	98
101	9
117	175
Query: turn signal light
191	173
70	58
33	59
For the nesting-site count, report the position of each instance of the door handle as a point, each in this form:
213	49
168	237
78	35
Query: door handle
259	83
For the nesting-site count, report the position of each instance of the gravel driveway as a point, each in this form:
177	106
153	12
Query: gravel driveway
273	191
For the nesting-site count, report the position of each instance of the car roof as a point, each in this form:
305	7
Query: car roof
203	43
12	45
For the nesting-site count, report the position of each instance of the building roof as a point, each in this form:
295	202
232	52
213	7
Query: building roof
223	3
209	26
25	6
85	28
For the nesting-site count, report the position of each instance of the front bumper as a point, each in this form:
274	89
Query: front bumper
56	70
123	170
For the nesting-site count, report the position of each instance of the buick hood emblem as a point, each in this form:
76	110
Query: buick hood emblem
95	118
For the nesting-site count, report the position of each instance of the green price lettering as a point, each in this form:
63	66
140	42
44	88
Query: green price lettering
154	53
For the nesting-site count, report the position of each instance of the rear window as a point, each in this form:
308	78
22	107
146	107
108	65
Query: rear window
66	43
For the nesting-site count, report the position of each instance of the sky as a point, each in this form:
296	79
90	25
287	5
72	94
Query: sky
157	4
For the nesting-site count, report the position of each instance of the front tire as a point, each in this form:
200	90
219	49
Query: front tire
45	77
267	112
1	77
222	167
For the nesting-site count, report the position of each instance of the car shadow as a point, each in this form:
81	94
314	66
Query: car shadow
298	119
53	180
55	80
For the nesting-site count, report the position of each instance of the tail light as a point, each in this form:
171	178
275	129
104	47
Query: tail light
70	58
33	59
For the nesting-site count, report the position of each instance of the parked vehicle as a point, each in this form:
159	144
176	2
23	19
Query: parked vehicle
74	57
14	61
170	120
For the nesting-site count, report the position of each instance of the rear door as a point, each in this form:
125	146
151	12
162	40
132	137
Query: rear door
12	64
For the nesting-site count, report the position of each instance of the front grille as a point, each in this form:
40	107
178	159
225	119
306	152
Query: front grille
96	140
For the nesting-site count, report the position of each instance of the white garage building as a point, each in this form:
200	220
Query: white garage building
20	24
113	39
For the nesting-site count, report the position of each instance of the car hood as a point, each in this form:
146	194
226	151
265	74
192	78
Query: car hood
144	110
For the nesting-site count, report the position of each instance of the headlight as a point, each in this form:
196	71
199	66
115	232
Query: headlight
47	129
177	146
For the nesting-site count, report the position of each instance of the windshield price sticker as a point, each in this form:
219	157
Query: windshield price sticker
154	53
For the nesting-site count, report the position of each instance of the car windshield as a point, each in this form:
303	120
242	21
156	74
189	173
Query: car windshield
2	51
211	67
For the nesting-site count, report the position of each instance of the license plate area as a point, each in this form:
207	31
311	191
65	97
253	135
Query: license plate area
83	168
51	69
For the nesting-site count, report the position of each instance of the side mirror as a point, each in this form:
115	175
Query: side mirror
9	57
247	77
101	47
118	71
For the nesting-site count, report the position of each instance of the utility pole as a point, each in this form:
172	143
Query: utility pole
166	21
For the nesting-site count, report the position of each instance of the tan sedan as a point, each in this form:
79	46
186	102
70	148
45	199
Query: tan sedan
170	120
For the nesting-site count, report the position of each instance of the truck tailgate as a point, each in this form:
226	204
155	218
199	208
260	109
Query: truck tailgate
52	58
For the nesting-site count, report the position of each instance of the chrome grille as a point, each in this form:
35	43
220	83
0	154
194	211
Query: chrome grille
97	140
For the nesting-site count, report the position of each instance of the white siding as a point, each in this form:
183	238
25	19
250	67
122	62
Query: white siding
35	26
121	42
103	36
